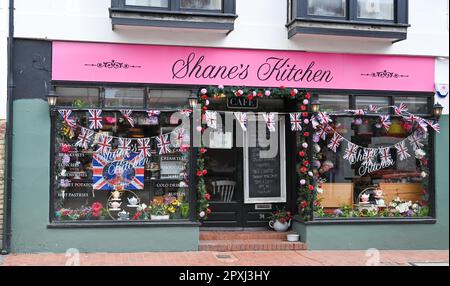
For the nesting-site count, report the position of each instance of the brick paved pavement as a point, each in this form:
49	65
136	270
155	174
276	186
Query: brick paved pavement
251	258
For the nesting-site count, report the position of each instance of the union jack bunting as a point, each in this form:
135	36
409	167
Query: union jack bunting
124	146
314	123
369	154
400	109
104	144
144	148
402	151
178	137
95	119
373	108
163	144
323	118
153	113
270	119
351	152
385	156
84	138
211	119
359	112
66	113
335	142
412	118
415	141
435	126
186	112
385	121
110	170
323	131
296	122
423	124
126	113
242	119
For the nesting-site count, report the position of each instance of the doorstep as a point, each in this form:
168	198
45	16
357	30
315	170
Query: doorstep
247	241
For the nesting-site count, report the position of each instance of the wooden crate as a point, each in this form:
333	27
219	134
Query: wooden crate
337	194
405	191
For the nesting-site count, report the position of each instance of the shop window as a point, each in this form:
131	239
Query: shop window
92	187
148	3
330	103
333	8
364	101
396	187
376	9
163	98
78	97
416	105
124	97
201	4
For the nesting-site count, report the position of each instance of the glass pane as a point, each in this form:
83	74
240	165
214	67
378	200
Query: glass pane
334	102
373	188
363	102
150	3
376	9
90	186
124	97
417	105
201	4
78	97
333	8
168	99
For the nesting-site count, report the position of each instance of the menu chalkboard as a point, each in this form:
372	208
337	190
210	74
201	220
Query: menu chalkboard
264	174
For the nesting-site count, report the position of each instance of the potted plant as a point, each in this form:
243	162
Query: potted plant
280	220
158	210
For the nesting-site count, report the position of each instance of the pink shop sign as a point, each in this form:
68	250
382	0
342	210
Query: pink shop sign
123	63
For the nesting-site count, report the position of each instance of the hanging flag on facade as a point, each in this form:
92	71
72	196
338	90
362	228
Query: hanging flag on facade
335	142
124	146
242	118
402	151
296	121
270	119
104	144
399	110
323	118
385	121
144	148
415	141
211	119
385	156
163	144
84	138
66	115
351	152
126	113
95	119
178	137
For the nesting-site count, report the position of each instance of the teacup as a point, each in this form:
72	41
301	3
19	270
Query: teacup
115	205
133	201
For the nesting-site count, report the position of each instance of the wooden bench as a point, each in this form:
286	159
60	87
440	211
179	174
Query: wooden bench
336	195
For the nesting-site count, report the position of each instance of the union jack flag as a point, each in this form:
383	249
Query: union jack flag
186	112
110	170
84	138
423	124
104	144
435	126
211	119
373	108
359	112
400	109
179	137
350	152
369	155
163	144
95	119
296	122
242	119
323	118
126	113
124	146
415	141
323	131
153	113
335	142
402	151
385	155
66	113
385	121
144	148
270	121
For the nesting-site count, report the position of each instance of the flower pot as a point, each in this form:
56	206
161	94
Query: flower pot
279	226
160	217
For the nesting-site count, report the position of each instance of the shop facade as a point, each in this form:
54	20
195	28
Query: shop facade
121	131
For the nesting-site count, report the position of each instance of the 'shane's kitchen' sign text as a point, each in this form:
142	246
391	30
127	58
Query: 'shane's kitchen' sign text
123	63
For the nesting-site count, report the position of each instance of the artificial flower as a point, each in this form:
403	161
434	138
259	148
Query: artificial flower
305	102
203	91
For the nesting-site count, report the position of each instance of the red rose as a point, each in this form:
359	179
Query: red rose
204	96
303	169
203	117
307	95
208	211
305	114
311	187
301	154
303	204
199	173
306	133
293	93
203	150
250	97
204	108
303	107
238	93
205	172
207	196
282	87
260	94
306	163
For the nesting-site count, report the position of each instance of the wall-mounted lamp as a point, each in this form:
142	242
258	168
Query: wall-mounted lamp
193	100
437	111
315	105
52	98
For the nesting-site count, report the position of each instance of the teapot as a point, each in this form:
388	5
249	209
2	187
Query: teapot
116	195
365	198
133	201
123	215
114	205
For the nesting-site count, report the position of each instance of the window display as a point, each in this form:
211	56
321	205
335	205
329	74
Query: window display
120	166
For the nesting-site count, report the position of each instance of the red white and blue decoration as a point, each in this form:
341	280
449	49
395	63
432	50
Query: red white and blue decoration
402	151
242	118
296	121
124	146
144	147
84	138
270	119
127	114
351	152
211	119
178	137
111	170
104	144
95	119
163	144
66	115
335	142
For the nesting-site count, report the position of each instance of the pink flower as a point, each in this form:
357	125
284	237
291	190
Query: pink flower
110	120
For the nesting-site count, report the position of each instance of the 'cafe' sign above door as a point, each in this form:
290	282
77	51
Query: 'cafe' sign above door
242	103
124	63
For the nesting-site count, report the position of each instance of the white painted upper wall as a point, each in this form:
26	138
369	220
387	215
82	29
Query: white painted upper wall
260	25
3	56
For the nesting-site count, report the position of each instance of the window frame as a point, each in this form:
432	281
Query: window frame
299	11
432	217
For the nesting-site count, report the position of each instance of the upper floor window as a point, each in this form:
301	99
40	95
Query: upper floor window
376	9
148	3
334	8
201	4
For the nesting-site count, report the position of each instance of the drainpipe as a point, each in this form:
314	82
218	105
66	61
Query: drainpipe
9	137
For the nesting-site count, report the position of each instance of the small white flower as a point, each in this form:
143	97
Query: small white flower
207	102
221	87
305	101
316	148
305	145
311	174
203	91
267	93
302	182
254	93
202	214
319	190
306	121
423	174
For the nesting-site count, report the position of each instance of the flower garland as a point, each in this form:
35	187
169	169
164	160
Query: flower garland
307	190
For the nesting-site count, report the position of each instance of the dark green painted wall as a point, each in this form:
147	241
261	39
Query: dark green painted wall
30	200
393	236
